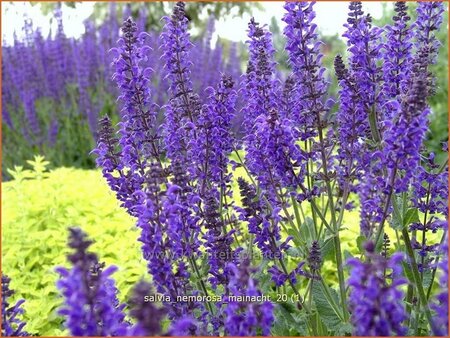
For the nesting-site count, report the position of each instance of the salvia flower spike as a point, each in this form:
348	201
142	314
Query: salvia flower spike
12	325
90	304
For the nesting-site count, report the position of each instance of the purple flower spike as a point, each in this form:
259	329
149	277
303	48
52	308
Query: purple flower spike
397	53
214	138
405	133
176	46
259	86
217	241
303	47
183	108
91	307
109	159
138	114
147	315
364	42
12	325
377	306
429	20
352	125
246	317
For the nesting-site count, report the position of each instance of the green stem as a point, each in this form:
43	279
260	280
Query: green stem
418	284
337	242
374	126
433	274
337	245
296	213
202	284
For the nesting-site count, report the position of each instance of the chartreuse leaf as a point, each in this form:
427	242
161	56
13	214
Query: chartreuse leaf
35	215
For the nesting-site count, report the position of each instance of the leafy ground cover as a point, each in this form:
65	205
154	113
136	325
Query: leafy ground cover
37	209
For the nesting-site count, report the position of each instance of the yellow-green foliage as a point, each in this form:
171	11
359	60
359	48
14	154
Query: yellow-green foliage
37	209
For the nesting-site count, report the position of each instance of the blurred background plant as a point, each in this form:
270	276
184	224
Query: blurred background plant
55	88
439	101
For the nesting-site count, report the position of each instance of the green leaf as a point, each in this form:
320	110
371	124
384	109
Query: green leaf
344	329
411	216
295	237
327	249
407	271
307	230
286	324
326	312
294	252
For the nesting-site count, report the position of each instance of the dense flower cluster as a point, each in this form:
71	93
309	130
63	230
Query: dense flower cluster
303	47
430	198
375	304
244	317
91	307
300	165
397	52
56	87
147	315
441	306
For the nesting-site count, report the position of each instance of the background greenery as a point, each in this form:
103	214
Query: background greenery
37	209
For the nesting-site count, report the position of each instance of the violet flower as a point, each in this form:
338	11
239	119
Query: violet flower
404	135
352	126
303	48
180	214
184	107
314	258
260	221
217	241
310	115
215	141
430	196
364	42
260	87
6	99
138	139
109	159
272	154
377	306
176	45
164	240
185	326
429	20
397	52
91	307
246	318
278	152
147	315
12	325
84	100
